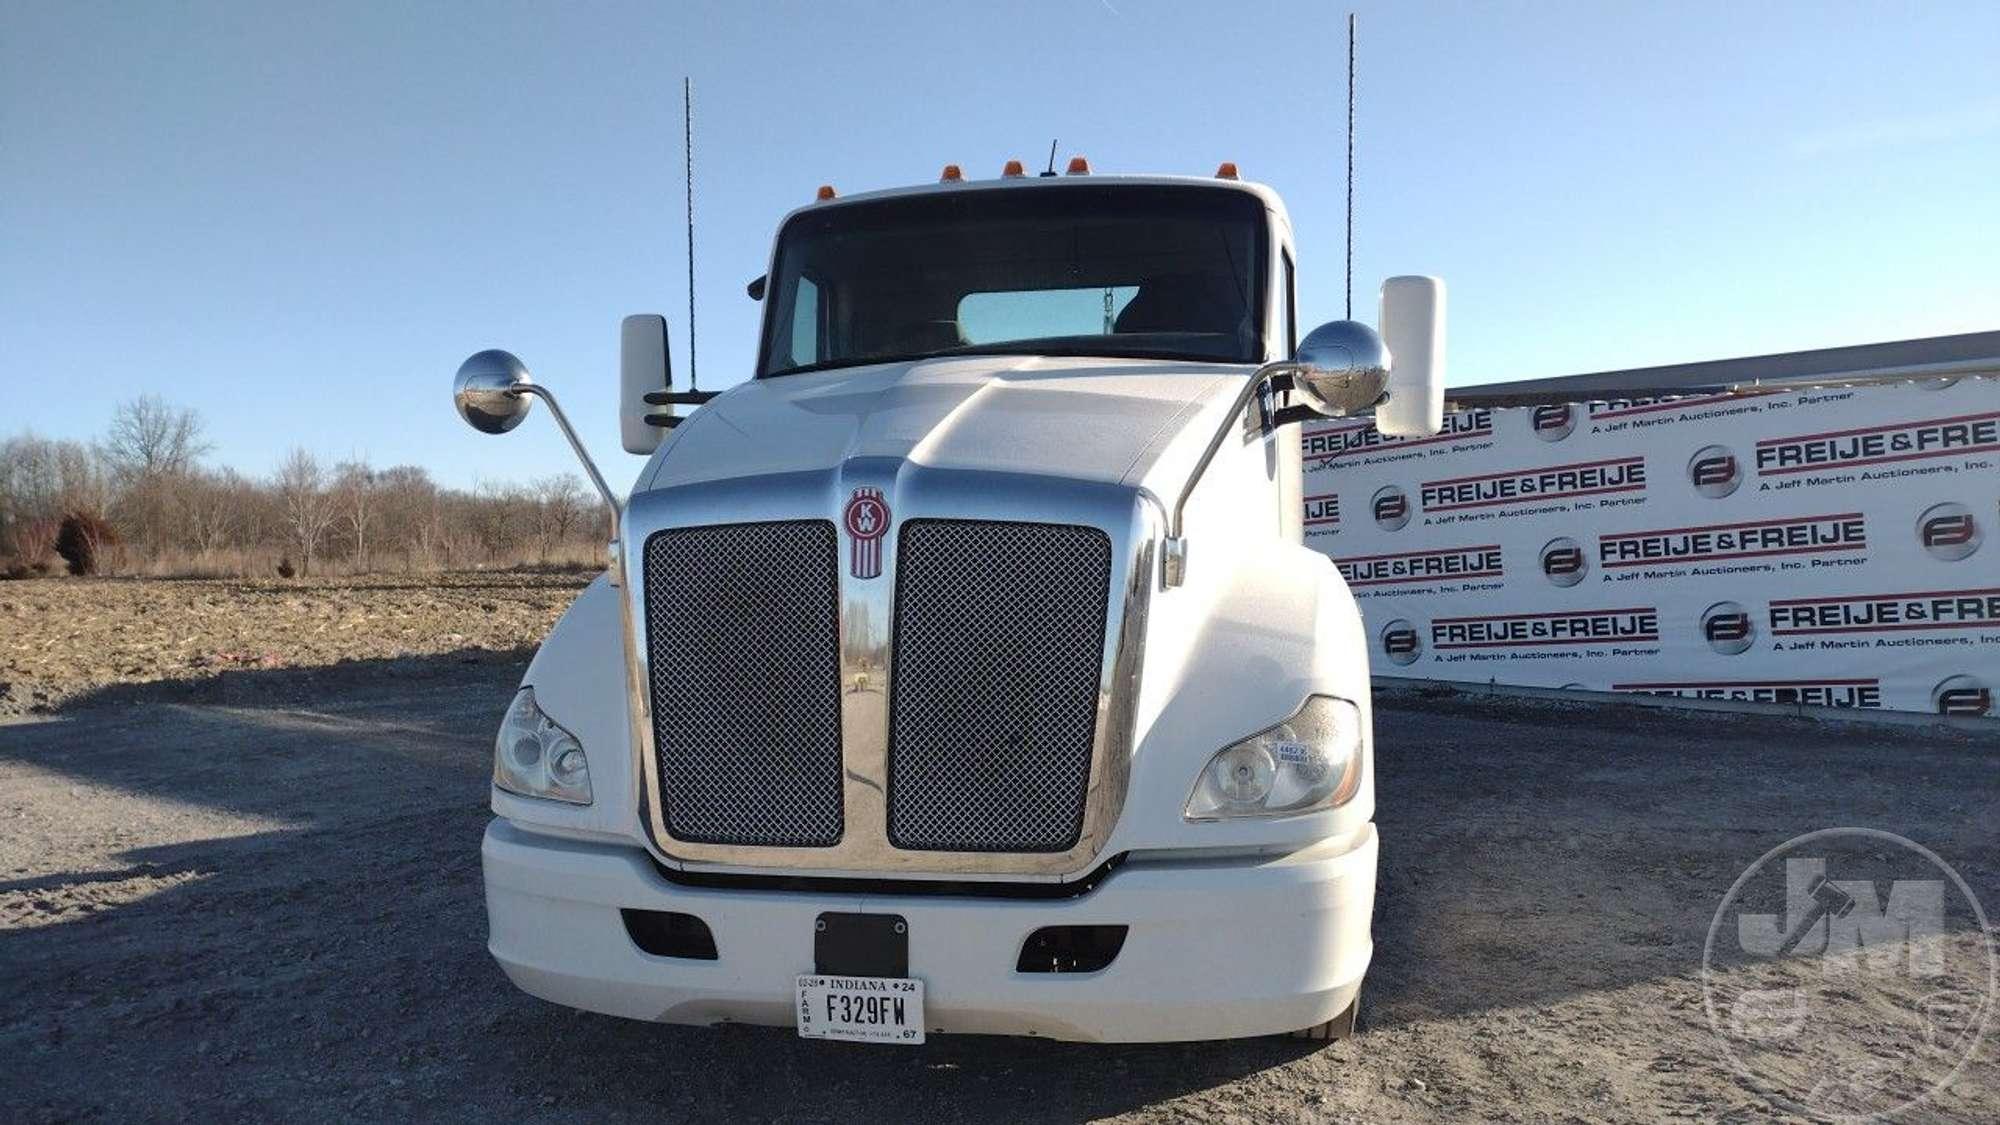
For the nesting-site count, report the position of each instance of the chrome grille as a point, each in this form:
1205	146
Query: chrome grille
998	651
743	642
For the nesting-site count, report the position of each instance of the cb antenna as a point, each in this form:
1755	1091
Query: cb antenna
687	151
1052	157
1351	171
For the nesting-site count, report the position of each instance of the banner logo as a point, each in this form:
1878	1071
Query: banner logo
1563	562
1962	696
1554	422
1659	404
1391	508
1880	445
1534	630
1948	531
1323	511
1791	535
1855	693
1401	642
1323	445
1714	471
1521	486
1887	613
1421	566
867	520
1727	628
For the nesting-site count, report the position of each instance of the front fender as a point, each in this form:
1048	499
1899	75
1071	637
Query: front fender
579	679
1226	661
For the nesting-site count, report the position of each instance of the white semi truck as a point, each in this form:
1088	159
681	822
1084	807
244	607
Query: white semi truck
964	670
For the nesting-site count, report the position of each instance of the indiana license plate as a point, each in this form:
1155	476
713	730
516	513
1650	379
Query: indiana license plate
861	1009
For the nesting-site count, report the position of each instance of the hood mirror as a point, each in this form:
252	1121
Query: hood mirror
490	391
1342	368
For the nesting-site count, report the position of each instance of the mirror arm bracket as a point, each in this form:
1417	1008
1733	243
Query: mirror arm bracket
1173	559
583	455
1286	415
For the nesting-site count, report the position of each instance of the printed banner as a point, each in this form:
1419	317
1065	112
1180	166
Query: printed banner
1828	548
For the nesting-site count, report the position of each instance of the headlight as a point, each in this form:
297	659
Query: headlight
536	758
1308	762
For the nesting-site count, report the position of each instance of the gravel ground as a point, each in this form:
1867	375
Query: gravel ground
239	905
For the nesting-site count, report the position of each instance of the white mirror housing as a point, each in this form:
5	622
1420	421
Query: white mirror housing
1413	328
643	368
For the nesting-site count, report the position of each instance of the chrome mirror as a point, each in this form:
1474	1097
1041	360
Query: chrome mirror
491	391
1342	368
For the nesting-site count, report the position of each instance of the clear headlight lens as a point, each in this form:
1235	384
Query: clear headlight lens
1308	762
536	758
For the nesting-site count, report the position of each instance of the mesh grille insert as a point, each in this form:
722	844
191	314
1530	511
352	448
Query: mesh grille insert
999	648
743	636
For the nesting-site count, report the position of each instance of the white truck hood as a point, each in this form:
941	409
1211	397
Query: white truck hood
1102	420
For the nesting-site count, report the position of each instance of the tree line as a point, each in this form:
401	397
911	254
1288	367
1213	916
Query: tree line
142	499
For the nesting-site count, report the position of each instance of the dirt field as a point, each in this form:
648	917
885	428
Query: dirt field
261	900
63	640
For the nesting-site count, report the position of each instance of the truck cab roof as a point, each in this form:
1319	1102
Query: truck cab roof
1040	182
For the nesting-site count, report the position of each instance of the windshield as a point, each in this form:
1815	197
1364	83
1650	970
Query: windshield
1150	272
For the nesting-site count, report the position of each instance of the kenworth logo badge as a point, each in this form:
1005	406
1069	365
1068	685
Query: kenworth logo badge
1751	539
867	520
1522	486
1421	566
1880	445
1948	531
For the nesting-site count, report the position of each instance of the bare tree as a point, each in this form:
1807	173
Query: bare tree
354	495
408	501
498	513
149	439
559	504
41	480
308	506
209	508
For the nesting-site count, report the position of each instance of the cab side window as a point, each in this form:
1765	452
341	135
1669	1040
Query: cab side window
804	343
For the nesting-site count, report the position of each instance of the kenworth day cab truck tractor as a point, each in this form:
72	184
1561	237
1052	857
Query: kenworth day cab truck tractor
964	670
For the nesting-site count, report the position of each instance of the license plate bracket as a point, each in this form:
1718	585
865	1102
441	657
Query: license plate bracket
861	945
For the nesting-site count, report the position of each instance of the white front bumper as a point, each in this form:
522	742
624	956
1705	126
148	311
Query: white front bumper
1216	949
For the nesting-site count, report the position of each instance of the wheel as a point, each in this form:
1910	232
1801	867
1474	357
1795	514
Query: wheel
1339	1027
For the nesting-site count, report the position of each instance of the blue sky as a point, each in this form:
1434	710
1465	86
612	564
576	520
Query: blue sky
298	218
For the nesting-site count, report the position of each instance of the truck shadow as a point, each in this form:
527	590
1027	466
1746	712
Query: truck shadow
266	903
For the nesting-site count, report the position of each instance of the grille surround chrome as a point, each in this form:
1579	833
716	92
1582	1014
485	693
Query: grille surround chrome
998	639
754	756
1130	516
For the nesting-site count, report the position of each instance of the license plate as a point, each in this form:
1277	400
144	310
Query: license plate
861	1009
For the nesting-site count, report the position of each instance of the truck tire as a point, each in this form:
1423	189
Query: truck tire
1339	1027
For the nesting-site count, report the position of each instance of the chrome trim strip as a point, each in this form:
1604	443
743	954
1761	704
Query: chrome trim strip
913	491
